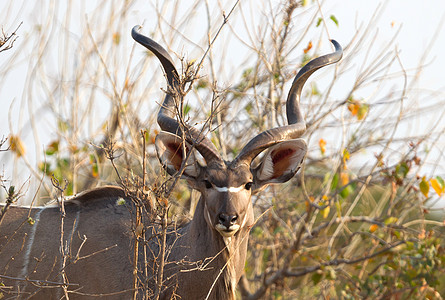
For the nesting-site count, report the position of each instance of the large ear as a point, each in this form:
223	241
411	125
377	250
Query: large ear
280	163
172	150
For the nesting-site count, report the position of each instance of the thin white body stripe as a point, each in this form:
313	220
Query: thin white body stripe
30	242
229	189
73	231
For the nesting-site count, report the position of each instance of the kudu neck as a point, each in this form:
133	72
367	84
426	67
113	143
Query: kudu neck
228	256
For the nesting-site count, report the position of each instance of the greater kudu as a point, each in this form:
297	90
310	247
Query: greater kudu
206	255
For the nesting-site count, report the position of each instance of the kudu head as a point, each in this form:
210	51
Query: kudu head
226	187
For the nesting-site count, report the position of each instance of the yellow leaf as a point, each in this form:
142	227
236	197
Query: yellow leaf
373	228
353	108
192	62
325	212
346	155
94	167
16	145
308	202
344	177
322	144
391	220
438	188
358	108
31	222
362	111
309	47
73	148
116	38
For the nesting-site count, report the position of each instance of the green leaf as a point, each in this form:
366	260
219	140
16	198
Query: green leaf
331	275
120	201
334	19
187	109
147	136
319	22
362	111
247	72
316	278
334	182
69	189
202	83
63	163
346	191
52	148
412	273
249	107
338	208
278	229
424	187
306	59
390	220
63	126
45	167
402	170
315	91
257	231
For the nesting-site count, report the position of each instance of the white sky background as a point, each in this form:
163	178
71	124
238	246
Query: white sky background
418	23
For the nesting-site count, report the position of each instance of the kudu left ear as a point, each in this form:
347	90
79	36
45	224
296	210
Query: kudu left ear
172	150
280	163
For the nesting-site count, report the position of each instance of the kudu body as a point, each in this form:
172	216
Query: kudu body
205	257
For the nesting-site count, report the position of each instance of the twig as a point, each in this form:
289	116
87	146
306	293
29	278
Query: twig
63	250
225	19
38	282
9	38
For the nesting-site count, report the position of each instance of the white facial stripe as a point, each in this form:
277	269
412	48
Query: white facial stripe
245	215
229	189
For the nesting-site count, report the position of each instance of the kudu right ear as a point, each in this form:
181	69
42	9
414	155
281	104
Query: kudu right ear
172	150
280	163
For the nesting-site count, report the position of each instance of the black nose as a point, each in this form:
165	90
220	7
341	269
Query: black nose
227	219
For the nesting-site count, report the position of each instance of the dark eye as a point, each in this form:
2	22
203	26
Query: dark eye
248	185
208	184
